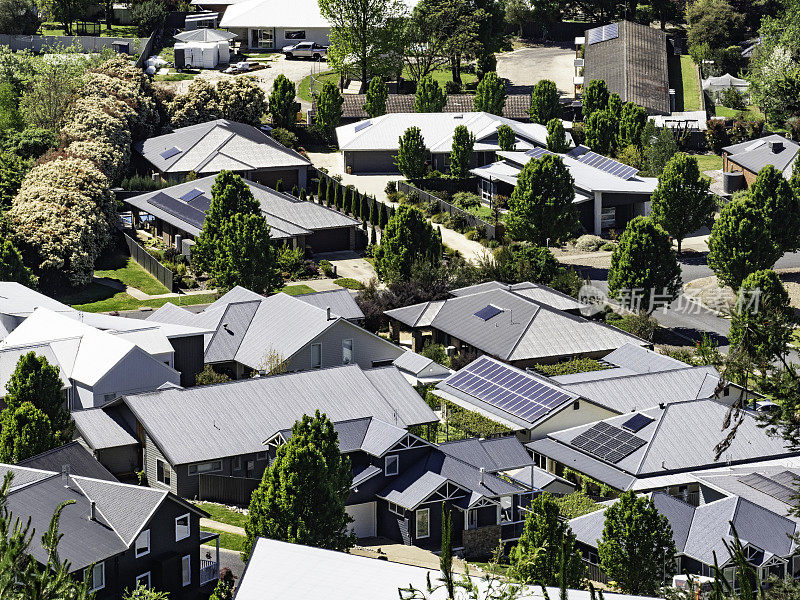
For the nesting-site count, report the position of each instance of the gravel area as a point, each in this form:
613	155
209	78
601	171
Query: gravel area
707	290
525	66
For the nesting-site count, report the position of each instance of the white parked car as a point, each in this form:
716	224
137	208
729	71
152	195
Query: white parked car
240	67
306	50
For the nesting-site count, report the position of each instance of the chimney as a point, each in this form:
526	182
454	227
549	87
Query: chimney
329	313
483	471
776	146
92	511
65	475
661	405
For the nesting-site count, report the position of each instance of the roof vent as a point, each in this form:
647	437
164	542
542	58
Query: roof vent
776	146
92	511
65	475
328	310
661	405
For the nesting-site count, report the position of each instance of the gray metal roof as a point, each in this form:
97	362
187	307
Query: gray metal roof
493	454
537	478
754	155
266	405
286	215
580	461
524	330
217	145
634	65
732	481
341	303
533	291
366	434
624	392
9	357
234	324
642	360
80	462
100	430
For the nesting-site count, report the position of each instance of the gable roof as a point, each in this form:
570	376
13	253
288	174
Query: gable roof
778	498
493	454
533	291
633	64
774	149
122	511
341	303
516	106
642	360
240	415
383	133
217	145
678	438
522	330
286	215
699	531
367	434
103	428
75	456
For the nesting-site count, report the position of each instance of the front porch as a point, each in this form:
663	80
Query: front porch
209	562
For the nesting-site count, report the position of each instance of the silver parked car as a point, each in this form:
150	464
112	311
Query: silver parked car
306	50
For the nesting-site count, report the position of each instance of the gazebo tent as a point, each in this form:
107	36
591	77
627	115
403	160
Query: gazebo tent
205	35
724	82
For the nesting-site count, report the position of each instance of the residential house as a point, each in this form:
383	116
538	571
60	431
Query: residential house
282	570
608	193
341	303
508	326
109	434
71	457
214	146
419	370
115	536
96	366
748	158
632	60
179	346
248	328
271	25
659	448
702	532
532	291
370	146
177	213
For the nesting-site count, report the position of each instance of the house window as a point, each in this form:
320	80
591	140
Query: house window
182	528
108	397
186	570
237	463
347	352
294	34
391	464
143	580
143	543
262	38
396	509
506	509
423	522
540	460
162	472
206	467
316	356
95	577
472	519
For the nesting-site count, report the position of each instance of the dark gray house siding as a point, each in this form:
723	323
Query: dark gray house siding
188	357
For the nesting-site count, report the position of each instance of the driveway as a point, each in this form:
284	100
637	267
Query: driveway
524	67
374	185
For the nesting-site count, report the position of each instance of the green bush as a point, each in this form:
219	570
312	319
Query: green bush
640	325
608	247
291	261
437	353
589	243
733	99
327	268
466	200
148	16
568	367
473	234
575	505
350	284
285	137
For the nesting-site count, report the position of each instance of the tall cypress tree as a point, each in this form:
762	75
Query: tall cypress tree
373	238
295	192
383	216
337	198
330	193
321	189
303	196
372	207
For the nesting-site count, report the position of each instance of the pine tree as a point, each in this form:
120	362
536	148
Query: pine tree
383	216
372	207
295	191
279	185
373	238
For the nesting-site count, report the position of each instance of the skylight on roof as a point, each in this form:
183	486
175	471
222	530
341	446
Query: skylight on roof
191	195
363	125
488	312
170	152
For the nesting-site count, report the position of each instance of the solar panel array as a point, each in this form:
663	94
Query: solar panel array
608	442
179	209
169	153
637	422
768	485
608	165
537	152
488	312
516	393
191	195
602	34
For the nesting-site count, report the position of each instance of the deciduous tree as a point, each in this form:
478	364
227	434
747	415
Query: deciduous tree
301	498
644	271
199	104
429	96
506	138
601	132
245	255
681	202
595	97
544	102
11	266
411	154
740	243
540	208
491	95
242	100
556	136
408	239
781	207
329	109
631	124
26	431
461	153
637	550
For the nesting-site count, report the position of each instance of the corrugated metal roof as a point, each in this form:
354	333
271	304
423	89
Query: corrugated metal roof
100	430
264	406
73	454
9	357
642	360
273	13
580	461
234	324
493	454
341	303
533	291
754	155
216	145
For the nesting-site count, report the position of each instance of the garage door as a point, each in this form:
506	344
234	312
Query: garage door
364	519
372	162
329	240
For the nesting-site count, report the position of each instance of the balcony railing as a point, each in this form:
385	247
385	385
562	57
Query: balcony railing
209	570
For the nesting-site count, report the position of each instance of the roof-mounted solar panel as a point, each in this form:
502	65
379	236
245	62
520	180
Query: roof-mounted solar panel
607	442
602	34
363	125
488	312
637	422
768	485
170	152
537	152
608	165
191	195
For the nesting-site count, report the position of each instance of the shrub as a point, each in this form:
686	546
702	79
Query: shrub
466	200
391	187
472	234
242	100
733	99
285	137
326	267
437	353
349	283
568	367
290	260
640	324
589	243
717	135
148	16
607	247
451	87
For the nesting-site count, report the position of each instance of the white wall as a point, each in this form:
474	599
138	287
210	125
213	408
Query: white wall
137	372
321	35
569	417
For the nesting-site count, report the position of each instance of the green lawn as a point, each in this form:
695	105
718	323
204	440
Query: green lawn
100	298
304	88
297	290
126	31
752	112
684	79
349	283
173	77
442	76
124	269
708	162
229	541
223	514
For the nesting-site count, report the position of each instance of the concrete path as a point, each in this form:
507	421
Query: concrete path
407	555
221	526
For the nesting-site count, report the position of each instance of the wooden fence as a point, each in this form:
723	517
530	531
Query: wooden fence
594	572
491	231
149	262
226	489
